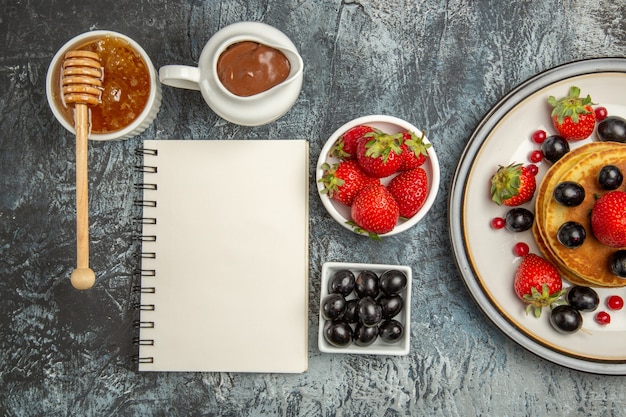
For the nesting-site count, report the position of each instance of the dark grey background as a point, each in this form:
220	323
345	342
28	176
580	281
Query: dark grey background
439	64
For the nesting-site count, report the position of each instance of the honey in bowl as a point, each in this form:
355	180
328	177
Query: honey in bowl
126	85
247	68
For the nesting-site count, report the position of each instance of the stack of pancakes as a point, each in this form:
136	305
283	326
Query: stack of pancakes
589	264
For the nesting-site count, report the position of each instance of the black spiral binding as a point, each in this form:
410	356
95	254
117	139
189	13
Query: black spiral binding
146	203
143	276
144	290
144	186
145	273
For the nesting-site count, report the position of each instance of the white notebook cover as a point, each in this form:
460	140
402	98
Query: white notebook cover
231	266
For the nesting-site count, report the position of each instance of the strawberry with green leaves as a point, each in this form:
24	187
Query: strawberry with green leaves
414	150
378	153
409	189
343	181
572	116
374	211
608	219
345	147
513	185
537	283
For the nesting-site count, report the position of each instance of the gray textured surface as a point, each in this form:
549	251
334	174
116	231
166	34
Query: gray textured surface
439	64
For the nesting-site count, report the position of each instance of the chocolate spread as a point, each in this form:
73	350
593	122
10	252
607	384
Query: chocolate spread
248	68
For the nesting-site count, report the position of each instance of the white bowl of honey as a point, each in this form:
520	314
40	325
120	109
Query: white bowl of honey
131	92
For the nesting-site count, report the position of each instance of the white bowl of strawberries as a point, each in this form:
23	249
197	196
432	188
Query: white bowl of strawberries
378	175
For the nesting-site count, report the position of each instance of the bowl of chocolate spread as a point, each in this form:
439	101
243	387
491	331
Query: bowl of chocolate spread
249	73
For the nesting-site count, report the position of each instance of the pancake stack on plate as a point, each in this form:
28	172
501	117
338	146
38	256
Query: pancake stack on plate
587	264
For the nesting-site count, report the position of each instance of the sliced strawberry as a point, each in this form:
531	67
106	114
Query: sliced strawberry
608	219
409	189
343	181
537	283
414	151
513	185
345	147
572	116
378	153
374	210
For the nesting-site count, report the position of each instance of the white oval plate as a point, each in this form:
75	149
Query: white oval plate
484	256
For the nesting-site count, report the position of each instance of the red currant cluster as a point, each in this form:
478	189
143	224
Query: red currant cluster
520	248
613	303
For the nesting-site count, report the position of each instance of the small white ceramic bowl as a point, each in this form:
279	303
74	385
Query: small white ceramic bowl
379	347
391	125
53	82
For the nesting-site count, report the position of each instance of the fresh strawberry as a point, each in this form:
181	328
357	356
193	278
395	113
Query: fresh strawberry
414	151
513	185
572	116
537	283
409	189
375	211
345	147
378	153
608	219
344	180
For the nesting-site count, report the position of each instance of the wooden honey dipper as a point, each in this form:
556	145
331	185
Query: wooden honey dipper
82	87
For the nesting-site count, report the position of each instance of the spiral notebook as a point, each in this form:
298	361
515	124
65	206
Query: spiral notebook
223	281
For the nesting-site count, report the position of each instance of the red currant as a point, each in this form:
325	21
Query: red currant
539	136
521	249
601	113
603	318
534	169
498	222
536	156
615	302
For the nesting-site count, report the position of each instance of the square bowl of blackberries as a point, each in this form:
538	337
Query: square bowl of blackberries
365	309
